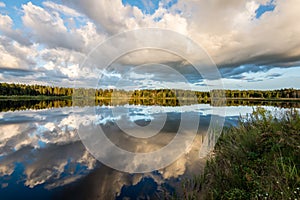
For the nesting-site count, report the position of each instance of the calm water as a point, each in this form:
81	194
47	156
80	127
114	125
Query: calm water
42	155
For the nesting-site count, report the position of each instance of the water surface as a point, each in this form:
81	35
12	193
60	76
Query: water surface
43	157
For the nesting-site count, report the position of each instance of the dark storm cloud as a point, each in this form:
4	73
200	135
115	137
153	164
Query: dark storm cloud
272	76
236	72
15	72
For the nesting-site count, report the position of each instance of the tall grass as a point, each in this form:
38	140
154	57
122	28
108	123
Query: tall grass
258	159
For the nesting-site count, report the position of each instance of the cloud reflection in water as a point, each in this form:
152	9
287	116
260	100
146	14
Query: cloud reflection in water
47	145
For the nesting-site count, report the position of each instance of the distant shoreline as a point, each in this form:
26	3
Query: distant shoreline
43	97
216	96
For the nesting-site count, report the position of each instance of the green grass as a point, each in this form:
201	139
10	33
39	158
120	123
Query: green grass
259	159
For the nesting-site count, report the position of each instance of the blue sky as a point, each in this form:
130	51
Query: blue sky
268	7
13	9
45	42
148	7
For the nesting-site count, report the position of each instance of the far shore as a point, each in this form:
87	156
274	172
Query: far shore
43	97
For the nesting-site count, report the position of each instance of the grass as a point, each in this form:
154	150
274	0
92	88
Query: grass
258	159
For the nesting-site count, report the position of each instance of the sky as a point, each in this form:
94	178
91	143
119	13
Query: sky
254	44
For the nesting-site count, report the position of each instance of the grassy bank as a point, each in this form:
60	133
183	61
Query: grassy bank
259	159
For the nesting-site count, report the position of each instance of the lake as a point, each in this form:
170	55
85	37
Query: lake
48	149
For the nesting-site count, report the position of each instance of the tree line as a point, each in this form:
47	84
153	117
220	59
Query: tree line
13	89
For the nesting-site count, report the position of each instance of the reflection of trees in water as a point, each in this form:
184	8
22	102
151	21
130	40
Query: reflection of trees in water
7	105
33	104
280	104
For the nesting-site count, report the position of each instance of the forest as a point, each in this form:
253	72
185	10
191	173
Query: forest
12	89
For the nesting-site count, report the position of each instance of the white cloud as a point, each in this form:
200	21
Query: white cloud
7	132
62	9
90	36
6	24
2	4
6	169
16	56
48	28
241	38
109	20
8	61
62	61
